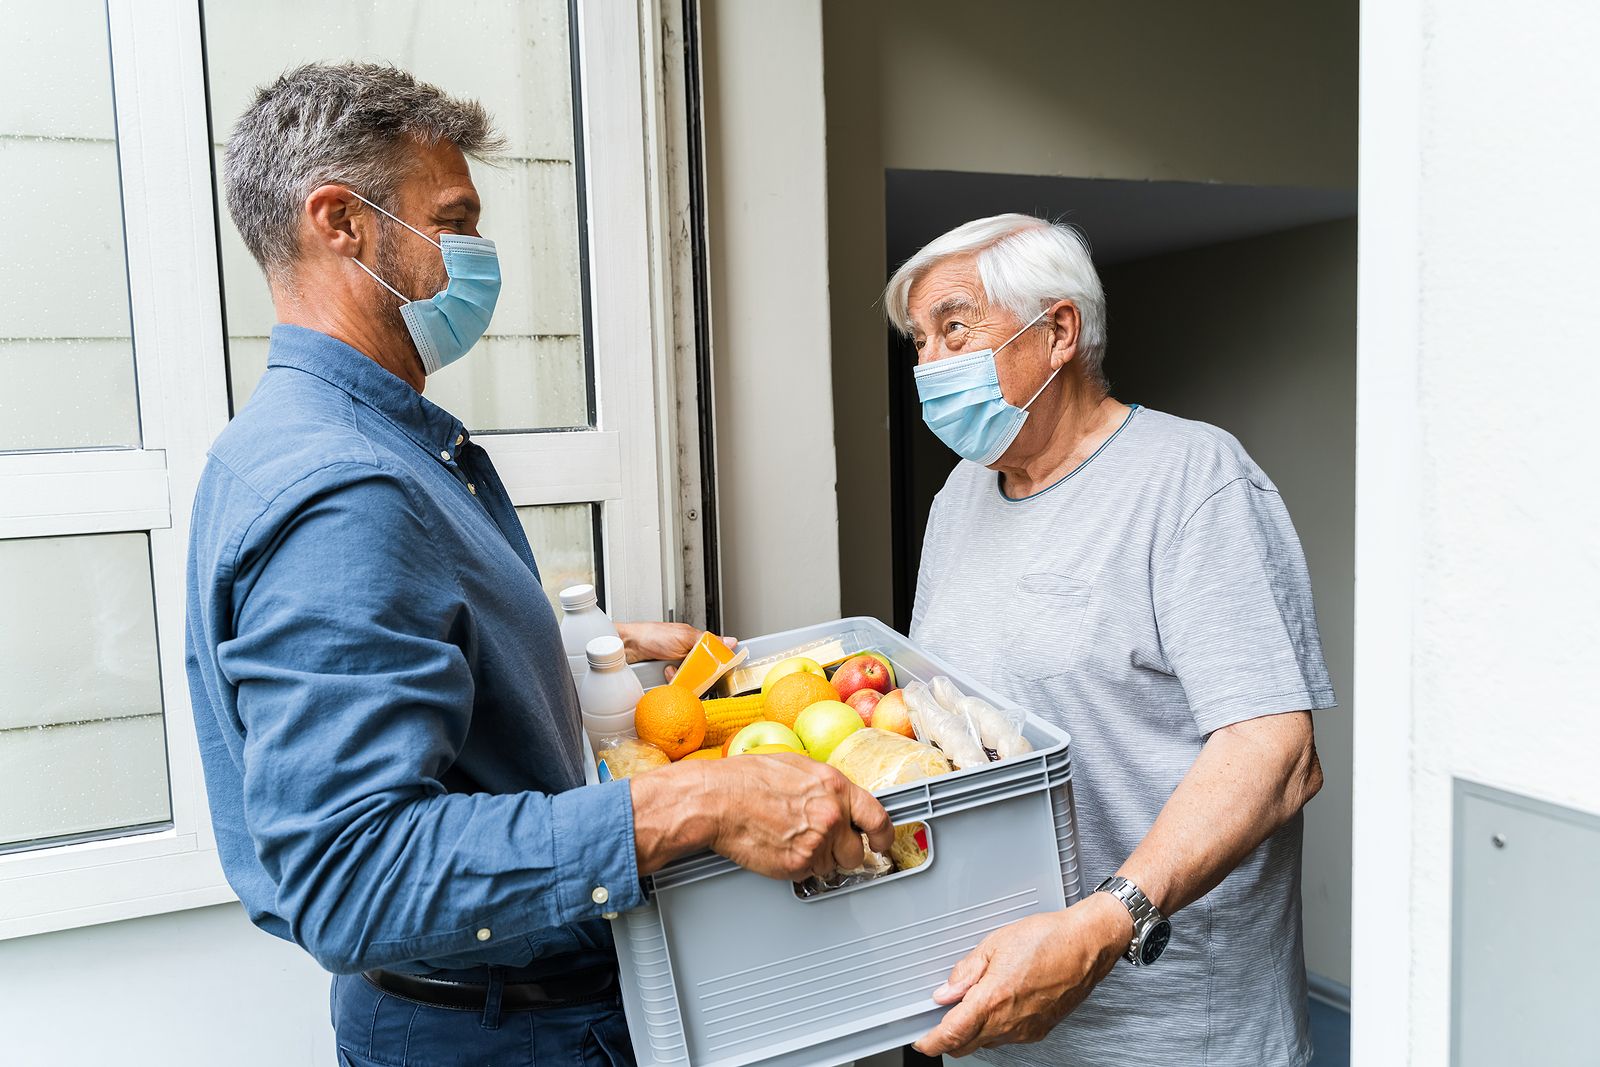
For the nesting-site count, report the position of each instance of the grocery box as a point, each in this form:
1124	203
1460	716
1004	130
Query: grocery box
723	967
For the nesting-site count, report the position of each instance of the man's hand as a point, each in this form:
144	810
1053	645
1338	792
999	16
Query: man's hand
670	641
1023	979
783	816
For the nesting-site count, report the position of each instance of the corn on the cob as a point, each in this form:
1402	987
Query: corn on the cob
726	716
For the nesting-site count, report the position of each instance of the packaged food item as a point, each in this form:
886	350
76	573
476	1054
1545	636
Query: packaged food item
706	663
876	759
1000	733
748	677
581	622
955	736
624	757
910	848
873	865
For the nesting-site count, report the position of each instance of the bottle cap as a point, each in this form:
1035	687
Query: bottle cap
605	653
578	597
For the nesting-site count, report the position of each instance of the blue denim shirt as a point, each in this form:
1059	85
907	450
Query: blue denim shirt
390	735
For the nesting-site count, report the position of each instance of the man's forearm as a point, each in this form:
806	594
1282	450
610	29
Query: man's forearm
1249	779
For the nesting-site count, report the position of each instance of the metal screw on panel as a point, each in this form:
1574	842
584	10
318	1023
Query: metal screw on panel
1498	840
693	515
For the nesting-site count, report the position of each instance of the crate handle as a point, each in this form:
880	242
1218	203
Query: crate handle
814	895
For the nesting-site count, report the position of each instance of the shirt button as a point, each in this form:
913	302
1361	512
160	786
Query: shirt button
472	489
444	456
459	439
608	915
600	895
484	934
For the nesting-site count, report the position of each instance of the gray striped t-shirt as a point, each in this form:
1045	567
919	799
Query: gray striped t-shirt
1155	594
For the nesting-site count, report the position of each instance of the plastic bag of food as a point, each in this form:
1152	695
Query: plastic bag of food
873	865
878	759
624	757
934	724
1000	732
910	848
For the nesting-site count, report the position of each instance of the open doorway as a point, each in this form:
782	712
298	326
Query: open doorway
1229	304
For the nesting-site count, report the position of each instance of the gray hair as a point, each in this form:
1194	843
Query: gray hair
350	123
1026	264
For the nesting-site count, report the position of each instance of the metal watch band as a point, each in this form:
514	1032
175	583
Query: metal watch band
1145	914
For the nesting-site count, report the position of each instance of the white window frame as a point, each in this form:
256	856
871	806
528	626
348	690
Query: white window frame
163	148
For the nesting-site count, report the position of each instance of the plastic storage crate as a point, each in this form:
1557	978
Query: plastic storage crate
723	967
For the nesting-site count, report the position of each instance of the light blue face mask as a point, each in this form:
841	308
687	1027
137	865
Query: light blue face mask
963	405
445	326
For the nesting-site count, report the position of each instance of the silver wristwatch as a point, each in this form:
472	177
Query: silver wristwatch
1151	930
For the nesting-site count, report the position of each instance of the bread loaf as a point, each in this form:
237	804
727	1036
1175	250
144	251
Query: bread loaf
876	759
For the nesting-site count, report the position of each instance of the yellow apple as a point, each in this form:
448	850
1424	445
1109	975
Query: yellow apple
793	665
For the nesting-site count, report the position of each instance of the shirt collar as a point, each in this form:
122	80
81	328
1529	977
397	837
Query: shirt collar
440	433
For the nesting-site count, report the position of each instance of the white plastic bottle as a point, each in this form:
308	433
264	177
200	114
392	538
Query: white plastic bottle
609	692
582	621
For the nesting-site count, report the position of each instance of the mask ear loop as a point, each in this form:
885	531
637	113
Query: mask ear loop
428	239
398	294
1053	373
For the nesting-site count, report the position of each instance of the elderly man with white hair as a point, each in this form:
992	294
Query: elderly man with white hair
1132	577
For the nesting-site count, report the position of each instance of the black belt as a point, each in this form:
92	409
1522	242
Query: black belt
576	987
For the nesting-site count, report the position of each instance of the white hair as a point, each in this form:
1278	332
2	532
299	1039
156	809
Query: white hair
1026	264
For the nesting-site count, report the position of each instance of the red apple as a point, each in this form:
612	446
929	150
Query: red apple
861	672
863	700
892	714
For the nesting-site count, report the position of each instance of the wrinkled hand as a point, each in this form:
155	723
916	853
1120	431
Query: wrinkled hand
1023	979
790	817
670	641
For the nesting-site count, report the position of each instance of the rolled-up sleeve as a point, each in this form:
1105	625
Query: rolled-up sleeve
355	697
1234	611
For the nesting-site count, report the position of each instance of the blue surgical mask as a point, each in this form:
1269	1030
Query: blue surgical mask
963	405
445	326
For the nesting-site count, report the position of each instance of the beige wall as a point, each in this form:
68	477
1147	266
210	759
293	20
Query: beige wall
1251	92
772	378
1258	337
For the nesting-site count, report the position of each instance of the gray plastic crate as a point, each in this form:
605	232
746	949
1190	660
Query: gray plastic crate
724	968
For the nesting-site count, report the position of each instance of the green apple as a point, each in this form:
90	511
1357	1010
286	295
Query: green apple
793	665
763	734
824	724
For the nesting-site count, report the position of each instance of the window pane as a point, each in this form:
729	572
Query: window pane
564	546
66	349
82	740
531	371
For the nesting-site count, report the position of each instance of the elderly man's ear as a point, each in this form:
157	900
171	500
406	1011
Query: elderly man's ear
1064	336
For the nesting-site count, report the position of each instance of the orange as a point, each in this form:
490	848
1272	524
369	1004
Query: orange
672	719
705	753
793	693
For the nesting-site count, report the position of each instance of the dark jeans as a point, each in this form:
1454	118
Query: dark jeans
378	1029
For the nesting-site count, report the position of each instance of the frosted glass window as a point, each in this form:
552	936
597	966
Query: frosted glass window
66	348
82	738
532	370
565	543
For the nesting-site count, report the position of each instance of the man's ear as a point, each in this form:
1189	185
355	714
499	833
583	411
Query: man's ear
1064	319
337	222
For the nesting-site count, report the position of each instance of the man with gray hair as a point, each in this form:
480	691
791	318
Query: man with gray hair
390	733
1134	578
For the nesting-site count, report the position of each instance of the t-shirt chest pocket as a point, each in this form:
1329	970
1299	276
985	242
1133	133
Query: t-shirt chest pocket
1045	636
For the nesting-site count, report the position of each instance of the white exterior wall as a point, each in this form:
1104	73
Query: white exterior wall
1476	562
189	988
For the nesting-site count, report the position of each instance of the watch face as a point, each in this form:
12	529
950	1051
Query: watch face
1155	942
